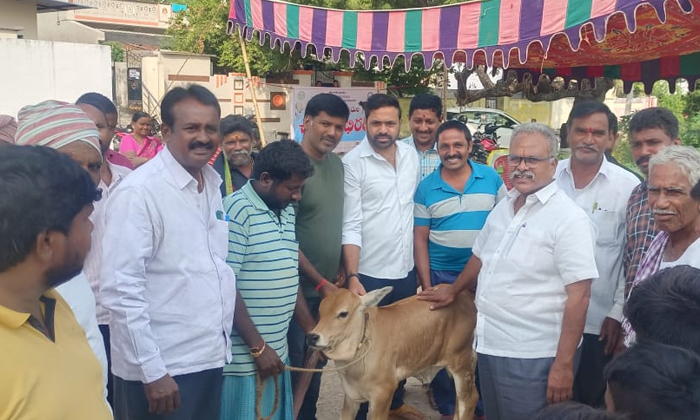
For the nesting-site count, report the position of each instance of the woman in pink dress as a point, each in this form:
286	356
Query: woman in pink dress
140	146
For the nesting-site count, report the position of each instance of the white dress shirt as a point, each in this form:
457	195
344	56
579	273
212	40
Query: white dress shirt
78	295
165	279
528	260
604	200
378	209
93	261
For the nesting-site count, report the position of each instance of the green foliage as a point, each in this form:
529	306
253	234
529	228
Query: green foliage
685	106
202	29
117	51
690	132
622	151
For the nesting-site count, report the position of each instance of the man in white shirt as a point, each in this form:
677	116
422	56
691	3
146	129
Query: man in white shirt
103	113
381	176
534	260
166	283
601	189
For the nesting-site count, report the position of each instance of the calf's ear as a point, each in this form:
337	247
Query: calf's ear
375	296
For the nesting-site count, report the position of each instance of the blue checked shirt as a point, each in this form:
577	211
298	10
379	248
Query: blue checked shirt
429	160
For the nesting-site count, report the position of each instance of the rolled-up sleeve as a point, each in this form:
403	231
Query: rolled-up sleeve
129	243
352	207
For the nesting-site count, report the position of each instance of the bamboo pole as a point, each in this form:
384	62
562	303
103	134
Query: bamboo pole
252	90
445	82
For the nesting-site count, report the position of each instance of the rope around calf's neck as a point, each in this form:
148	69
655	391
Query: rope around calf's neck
260	384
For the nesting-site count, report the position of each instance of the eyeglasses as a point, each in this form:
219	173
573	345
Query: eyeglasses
529	160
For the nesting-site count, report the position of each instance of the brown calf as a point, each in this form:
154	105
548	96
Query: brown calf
393	343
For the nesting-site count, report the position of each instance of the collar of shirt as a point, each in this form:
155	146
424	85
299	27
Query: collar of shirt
258	202
409	141
604	170
118	173
366	150
181	177
543	194
477	173
13	319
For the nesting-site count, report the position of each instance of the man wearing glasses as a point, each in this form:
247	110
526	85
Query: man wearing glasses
534	260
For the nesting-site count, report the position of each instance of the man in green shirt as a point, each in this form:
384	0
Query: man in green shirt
318	223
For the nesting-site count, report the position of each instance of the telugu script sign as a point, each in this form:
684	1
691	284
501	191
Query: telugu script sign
124	12
355	127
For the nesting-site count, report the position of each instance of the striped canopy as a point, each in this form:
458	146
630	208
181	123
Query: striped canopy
635	40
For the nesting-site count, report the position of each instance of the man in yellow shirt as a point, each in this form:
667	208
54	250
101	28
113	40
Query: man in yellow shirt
47	368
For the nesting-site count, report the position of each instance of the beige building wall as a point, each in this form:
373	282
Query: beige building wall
54	26
550	113
19	14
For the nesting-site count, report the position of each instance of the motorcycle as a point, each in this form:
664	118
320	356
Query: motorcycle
483	143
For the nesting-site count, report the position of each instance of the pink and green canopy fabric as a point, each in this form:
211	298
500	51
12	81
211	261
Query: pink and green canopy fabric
571	38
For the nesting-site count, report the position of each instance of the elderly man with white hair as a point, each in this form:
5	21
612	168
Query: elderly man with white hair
673	172
534	260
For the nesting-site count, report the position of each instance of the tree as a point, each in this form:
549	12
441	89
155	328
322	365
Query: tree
685	106
545	89
202	29
117	51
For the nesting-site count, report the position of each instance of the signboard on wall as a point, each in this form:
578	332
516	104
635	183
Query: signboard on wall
355	127
124	12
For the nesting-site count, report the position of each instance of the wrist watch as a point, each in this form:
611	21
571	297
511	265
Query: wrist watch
351	275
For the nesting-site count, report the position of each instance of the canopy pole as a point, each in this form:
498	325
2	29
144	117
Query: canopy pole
258	119
445	82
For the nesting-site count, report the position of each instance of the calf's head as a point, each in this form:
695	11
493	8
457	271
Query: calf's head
341	322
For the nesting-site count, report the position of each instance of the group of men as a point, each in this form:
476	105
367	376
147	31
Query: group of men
206	278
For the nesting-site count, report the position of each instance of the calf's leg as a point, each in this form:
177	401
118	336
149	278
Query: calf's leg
380	403
350	408
462	368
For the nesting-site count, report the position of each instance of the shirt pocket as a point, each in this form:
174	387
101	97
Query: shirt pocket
219	238
530	248
608	225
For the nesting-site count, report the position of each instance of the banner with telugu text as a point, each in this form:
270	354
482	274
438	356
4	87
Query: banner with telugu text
355	127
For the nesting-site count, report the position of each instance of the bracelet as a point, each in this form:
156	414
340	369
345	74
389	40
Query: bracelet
320	285
258	351
351	275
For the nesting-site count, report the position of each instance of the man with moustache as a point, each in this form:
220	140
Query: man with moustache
424	117
264	253
319	224
235	162
47	367
451	206
165	280
381	176
534	260
601	189
69	130
650	130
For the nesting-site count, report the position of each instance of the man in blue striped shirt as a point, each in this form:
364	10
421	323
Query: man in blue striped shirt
451	206
264	253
